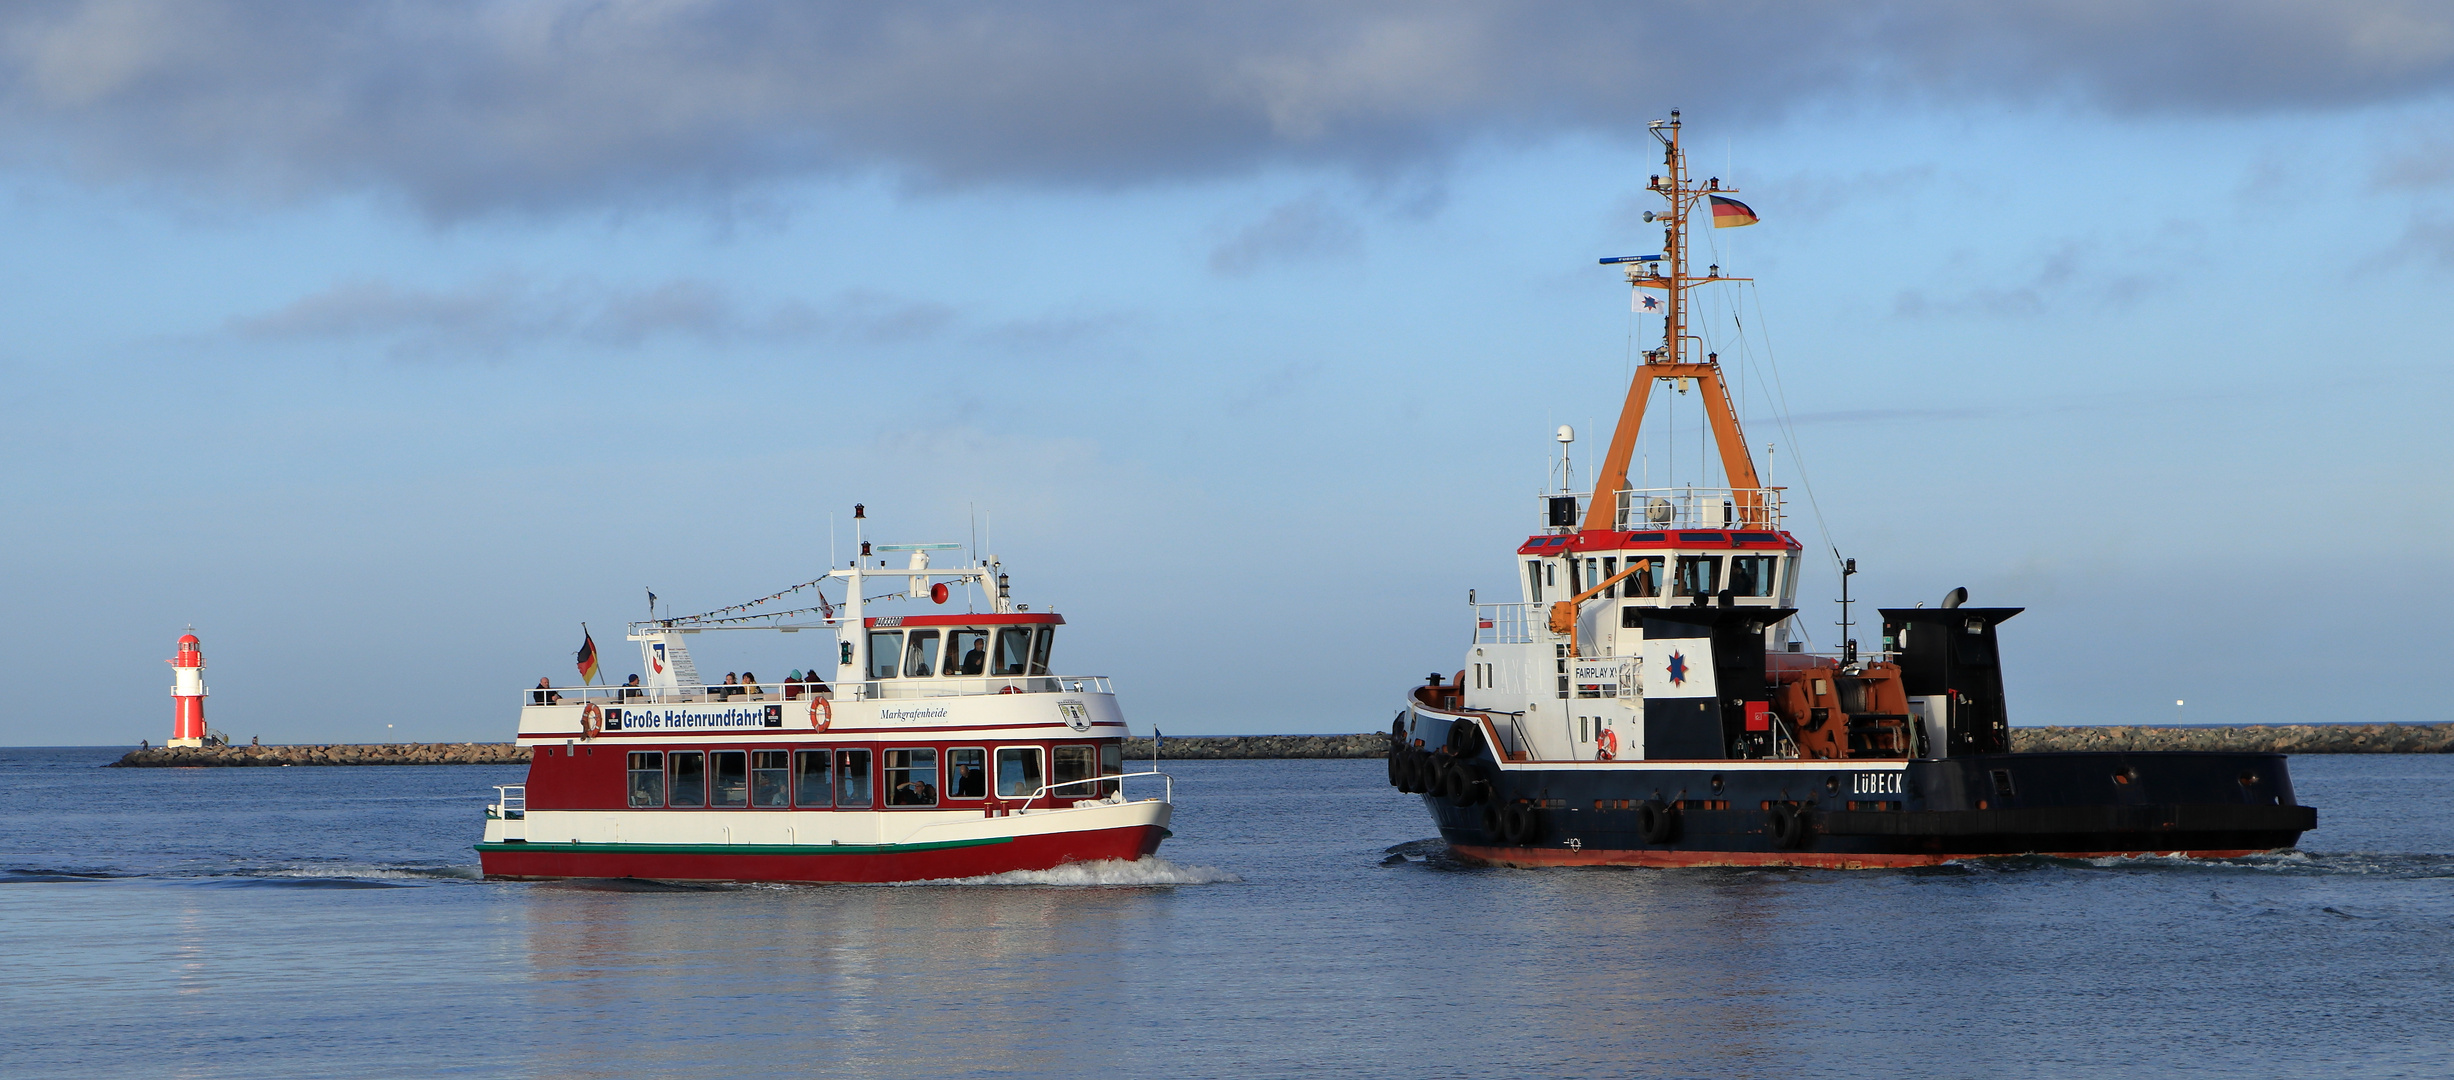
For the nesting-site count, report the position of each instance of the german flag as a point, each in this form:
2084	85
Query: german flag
587	657
1731	213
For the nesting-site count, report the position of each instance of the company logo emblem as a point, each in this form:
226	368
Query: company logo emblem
1678	669
656	658
1076	717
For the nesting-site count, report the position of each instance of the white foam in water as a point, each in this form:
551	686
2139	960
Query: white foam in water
374	873
1148	870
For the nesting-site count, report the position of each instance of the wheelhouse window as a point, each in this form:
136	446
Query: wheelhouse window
813	783
967	652
1111	764
884	647
1610	569
647	778
1018	771
1074	767
1646	582
851	778
688	786
1040	644
1699	575
920	655
1533	579
1013	651
732	778
770	778
966	773
1752	575
911	777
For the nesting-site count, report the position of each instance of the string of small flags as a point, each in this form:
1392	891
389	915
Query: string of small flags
745	606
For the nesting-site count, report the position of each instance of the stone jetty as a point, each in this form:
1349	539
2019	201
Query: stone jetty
2280	738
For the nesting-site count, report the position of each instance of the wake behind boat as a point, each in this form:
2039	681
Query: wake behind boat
945	746
1647	702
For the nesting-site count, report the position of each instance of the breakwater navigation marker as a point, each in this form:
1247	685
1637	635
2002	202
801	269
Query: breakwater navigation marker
187	692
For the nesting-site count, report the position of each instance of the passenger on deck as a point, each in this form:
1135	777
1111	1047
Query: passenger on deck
818	687
749	685
732	686
631	690
792	685
544	693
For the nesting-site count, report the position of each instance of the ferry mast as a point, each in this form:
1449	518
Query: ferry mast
1667	272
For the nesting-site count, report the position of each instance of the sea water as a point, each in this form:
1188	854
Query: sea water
316	922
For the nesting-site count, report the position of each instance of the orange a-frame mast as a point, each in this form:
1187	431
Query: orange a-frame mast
1670	361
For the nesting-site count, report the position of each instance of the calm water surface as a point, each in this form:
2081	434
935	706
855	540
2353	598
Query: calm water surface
326	921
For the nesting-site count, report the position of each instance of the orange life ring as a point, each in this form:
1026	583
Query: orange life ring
818	705
591	720
1609	746
1011	690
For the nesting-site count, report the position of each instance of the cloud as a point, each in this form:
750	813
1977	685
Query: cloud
1301	229
470	108
502	315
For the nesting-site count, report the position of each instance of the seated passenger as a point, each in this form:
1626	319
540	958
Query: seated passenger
913	793
544	693
631	690
818	687
971	783
732	686
792	685
749	685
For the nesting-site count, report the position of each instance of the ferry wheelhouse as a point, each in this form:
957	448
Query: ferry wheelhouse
1646	701
945	746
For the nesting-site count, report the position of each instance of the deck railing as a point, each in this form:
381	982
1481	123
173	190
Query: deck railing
1700	508
876	689
510	801
1507	624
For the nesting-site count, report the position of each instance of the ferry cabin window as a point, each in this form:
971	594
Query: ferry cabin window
1752	575
1018	771
966	773
770	778
812	782
688	786
911	778
1074	767
647	776
852	778
1013	651
920	655
884	647
1699	575
732	778
1040	643
967	652
1533	579
1111	764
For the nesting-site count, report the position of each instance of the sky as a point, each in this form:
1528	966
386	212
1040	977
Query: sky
388	344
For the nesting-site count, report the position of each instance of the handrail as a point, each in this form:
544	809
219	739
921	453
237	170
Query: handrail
1120	778
508	805
873	689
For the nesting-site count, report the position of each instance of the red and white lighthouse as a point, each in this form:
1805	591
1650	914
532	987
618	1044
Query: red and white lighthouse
187	688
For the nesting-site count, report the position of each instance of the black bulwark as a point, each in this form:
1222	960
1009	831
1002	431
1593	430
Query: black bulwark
1693	729
1952	651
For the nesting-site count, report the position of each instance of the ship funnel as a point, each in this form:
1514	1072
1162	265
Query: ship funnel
1955	597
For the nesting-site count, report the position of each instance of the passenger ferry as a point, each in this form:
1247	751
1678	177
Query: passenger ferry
946	746
1647	702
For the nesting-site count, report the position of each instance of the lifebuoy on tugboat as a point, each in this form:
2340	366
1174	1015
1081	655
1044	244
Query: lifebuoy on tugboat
591	720
1608	748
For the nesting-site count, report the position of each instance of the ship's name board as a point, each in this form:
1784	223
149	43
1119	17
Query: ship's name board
933	713
1877	783
685	718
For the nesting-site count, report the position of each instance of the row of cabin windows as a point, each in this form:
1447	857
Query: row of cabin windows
1018	650
1697	575
841	779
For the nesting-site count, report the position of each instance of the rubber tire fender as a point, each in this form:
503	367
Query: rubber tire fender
1494	822
1522	823
1657	822
1466	786
1787	824
1397	773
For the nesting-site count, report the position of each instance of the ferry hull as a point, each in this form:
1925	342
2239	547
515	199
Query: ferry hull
828	864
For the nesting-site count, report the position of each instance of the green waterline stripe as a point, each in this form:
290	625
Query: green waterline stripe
740	849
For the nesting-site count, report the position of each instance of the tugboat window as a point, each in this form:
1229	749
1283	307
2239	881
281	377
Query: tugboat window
1013	651
689	784
911	778
1040	643
1533	578
884	647
1646	582
920	655
1752	575
967	652
1699	575
769	778
732	777
966	773
852	778
1018	771
1610	569
1074	765
812	783
647	775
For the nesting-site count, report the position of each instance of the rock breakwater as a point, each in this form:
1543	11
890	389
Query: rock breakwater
2263	738
189	757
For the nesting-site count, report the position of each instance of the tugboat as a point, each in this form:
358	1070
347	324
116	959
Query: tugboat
1646	703
943	747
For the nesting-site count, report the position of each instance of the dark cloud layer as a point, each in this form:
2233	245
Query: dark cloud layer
470	108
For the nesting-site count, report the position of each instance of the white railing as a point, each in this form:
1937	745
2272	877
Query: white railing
1090	783
880	688
510	801
1508	624
1700	508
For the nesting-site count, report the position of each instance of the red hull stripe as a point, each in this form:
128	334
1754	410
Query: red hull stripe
813	863
1530	857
